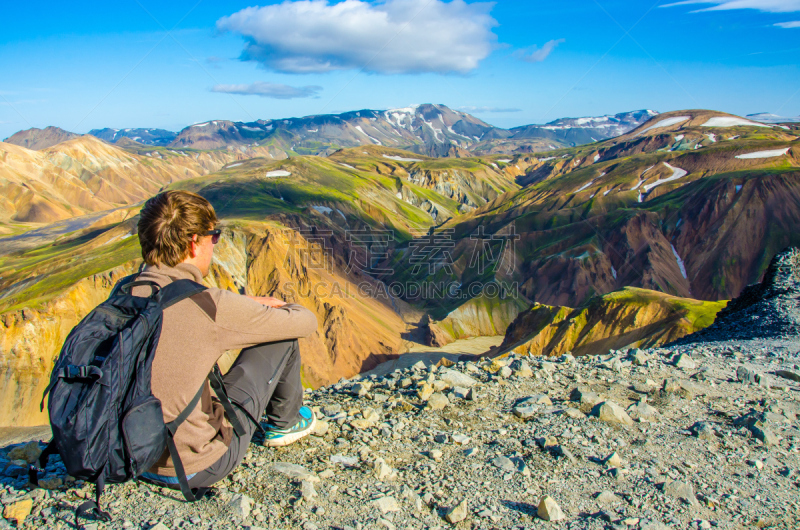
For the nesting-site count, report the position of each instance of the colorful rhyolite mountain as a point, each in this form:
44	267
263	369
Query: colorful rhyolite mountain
688	208
433	130
674	206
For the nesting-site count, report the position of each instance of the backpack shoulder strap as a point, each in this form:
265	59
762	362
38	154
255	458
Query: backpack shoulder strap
172	427
178	291
117	290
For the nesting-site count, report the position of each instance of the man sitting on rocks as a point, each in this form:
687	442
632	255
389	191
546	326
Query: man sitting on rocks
177	232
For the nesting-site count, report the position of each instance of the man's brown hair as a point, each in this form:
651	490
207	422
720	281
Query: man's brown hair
167	223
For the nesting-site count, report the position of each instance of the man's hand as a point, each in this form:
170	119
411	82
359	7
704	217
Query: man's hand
268	301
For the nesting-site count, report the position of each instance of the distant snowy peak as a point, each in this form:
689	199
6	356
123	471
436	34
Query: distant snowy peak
149	136
766	117
577	131
624	119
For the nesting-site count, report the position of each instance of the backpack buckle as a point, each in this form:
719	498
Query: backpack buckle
80	372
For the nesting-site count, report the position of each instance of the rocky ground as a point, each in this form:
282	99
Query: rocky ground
769	309
693	436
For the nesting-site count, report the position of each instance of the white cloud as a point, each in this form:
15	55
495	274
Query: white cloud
391	37
769	6
269	90
536	54
482	110
787	25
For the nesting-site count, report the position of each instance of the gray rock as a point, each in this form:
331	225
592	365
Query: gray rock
610	412
613	460
29	452
549	510
526	411
461	439
787	374
504	464
523	369
744	374
584	396
241	505
458	513
14	470
331	409
461	392
765	435
382	470
538	399
505	372
753	417
455	378
575	414
644	412
361	389
564	452
652	525
294	471
685	361
388	525
51	482
680	490
307	490
704	431
321	428
387	504
607	497
638	357
437	401
346	461
679	387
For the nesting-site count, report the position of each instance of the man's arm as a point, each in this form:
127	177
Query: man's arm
244	321
268	301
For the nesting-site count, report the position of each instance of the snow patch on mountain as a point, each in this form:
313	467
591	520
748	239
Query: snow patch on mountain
401	159
677	173
667	122
681	265
377	142
764	154
731	121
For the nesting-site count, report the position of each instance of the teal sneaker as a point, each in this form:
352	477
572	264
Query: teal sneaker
274	437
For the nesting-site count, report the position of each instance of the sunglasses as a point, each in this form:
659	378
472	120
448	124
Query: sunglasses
215	234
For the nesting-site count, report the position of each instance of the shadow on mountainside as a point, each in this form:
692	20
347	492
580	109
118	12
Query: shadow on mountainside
770	309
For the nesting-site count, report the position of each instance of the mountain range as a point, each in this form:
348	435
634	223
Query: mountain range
673	206
636	239
432	130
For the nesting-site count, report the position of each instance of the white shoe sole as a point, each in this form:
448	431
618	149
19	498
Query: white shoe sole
291	438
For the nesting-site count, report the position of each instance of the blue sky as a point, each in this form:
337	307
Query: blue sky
143	63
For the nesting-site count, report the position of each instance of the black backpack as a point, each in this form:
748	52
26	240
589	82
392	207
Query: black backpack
107	425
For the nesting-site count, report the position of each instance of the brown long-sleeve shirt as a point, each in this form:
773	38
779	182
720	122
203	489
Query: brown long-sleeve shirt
193	337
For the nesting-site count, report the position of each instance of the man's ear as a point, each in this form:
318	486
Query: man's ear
193	247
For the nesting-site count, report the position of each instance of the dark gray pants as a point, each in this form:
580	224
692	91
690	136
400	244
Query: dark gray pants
263	378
